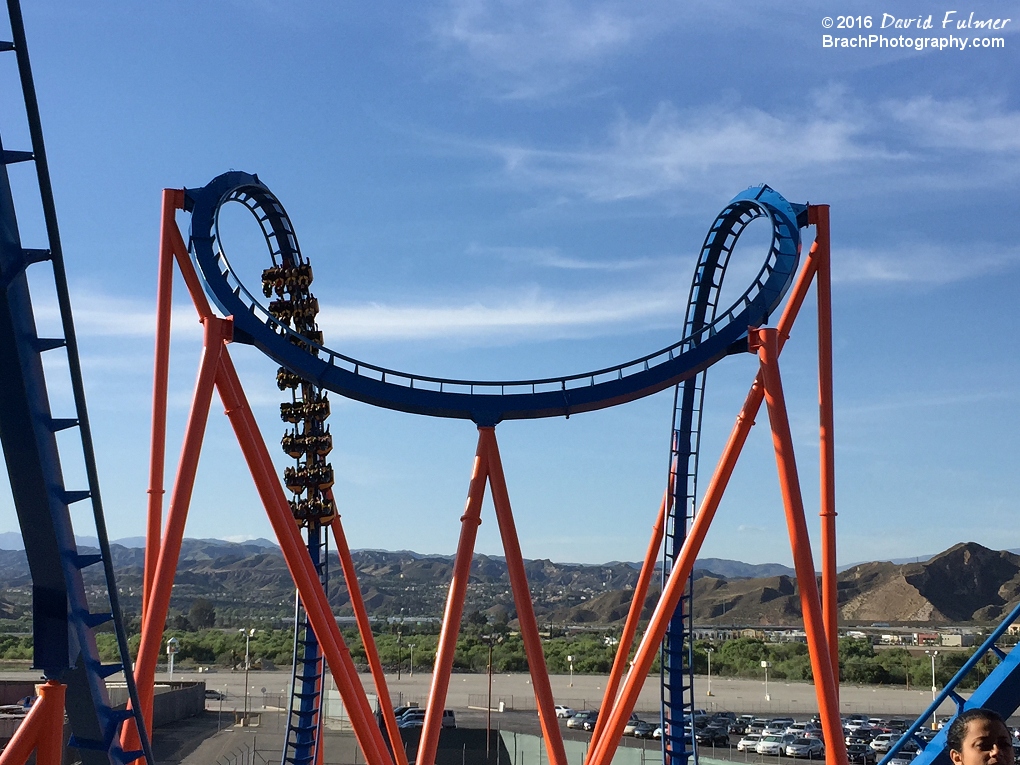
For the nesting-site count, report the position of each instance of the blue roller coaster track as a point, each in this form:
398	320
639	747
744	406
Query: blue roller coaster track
63	619
707	338
484	402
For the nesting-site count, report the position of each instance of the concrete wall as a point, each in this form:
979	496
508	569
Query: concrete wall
172	701
13	691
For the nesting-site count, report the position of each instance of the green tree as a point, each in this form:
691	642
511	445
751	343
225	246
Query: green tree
202	615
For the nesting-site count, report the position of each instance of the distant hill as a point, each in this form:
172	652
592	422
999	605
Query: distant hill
966	583
735	569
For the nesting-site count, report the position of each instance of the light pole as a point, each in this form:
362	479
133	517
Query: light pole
410	647
765	665
398	654
934	689
710	652
570	662
490	639
172	647
248	635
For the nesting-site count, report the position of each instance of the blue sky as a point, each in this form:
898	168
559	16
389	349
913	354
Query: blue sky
512	189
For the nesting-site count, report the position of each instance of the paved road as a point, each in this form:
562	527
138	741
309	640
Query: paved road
736	695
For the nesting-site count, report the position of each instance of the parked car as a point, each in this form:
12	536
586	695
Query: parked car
800	728
589	724
214	695
773	744
739	725
412	718
860	754
399	711
883	742
902	758
657	733
748	742
644	729
712	736
805	747
628	729
564	712
578	720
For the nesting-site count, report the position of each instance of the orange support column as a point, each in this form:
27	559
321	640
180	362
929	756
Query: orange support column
633	616
522	599
819	216
367	639
470	521
602	752
42	730
216	332
50	747
173	199
300	565
766	342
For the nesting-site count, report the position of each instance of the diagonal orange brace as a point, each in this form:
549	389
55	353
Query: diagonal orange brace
637	605
367	638
428	744
602	752
522	599
300	565
766	343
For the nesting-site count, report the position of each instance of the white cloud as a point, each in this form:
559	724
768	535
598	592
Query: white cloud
672	150
552	257
98	314
720	146
959	125
925	263
530	315
532	49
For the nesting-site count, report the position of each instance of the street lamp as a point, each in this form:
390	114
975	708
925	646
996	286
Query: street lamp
934	689
411	647
398	653
765	665
710	652
248	635
570	661
490	639
173	645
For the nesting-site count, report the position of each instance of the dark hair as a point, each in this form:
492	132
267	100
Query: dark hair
958	730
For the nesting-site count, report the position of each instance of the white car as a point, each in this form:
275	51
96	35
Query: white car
883	742
772	744
748	742
564	712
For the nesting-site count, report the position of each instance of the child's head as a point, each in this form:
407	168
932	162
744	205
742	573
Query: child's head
979	737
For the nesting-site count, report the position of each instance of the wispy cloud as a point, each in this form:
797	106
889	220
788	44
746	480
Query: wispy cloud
532	315
99	314
959	125
532	49
673	149
553	258
836	136
925	263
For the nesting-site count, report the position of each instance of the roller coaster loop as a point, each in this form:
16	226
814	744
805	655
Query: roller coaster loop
486	403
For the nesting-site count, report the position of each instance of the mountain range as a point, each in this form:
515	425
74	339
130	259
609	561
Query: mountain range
967	583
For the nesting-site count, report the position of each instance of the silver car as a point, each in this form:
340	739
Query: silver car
805	747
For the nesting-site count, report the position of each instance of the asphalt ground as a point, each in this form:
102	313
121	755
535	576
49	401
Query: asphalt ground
214	737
